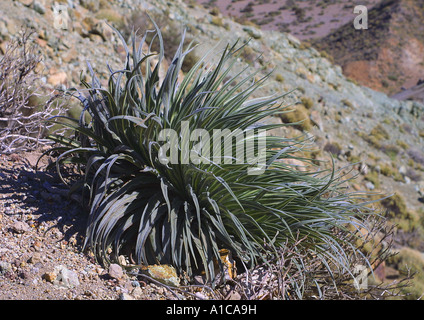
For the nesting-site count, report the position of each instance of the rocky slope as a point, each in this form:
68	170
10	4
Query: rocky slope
389	54
383	136
386	57
305	19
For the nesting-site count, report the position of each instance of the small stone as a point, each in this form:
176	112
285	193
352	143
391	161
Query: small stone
125	296
50	276
35	258
295	42
38	7
200	280
122	261
115	271
369	185
137	292
163	273
66	278
402	170
99	270
363	169
233	295
96	38
5	267
70	55
200	296
37	245
20	227
88	293
58	78
25	275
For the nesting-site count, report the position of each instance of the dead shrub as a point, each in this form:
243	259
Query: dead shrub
23	110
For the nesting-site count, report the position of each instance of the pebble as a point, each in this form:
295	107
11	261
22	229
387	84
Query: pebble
233	295
38	7
363	169
37	245
122	261
200	296
35	258
126	296
5	267
115	271
20	227
66	278
137	292
99	270
163	273
50	276
369	185
25	275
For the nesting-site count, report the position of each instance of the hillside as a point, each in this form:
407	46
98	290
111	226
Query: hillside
305	19
387	56
383	137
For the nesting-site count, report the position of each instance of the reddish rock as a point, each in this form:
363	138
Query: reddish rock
58	78
380	271
50	276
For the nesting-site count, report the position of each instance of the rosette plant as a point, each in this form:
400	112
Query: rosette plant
182	212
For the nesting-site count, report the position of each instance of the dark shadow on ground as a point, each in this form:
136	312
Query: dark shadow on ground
42	194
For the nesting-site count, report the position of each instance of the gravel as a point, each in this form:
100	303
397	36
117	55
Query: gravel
41	238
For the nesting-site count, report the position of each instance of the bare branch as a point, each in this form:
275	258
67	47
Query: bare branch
23	122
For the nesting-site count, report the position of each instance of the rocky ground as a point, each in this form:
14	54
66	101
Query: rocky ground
41	237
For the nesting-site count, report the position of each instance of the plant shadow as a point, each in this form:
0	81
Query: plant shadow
39	198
